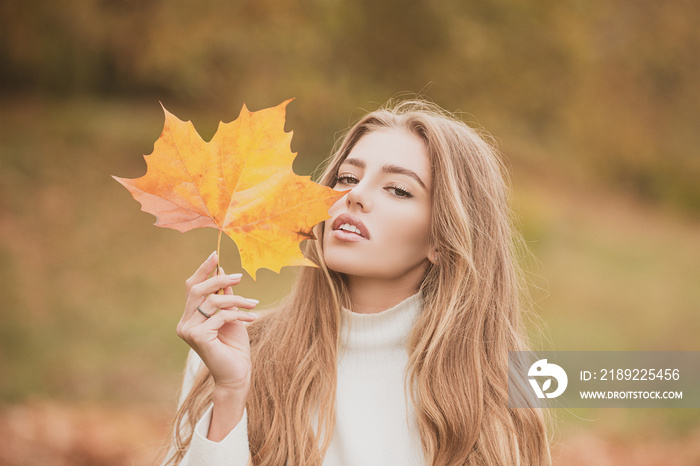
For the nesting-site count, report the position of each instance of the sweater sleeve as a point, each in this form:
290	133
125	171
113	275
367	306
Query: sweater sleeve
232	450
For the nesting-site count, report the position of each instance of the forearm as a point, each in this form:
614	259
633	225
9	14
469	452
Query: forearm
227	412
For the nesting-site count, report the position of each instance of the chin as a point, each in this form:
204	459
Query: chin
345	265
357	267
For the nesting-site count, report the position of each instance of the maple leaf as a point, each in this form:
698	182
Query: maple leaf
241	183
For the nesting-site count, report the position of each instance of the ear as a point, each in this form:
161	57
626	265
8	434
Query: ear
433	256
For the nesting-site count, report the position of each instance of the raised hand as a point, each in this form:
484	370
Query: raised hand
220	340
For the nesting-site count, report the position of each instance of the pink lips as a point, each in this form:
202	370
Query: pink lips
347	218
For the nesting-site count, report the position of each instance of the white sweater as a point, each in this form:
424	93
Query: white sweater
375	424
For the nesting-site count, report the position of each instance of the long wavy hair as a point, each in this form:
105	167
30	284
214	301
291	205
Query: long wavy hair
457	372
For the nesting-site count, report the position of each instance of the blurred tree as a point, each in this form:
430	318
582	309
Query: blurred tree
603	87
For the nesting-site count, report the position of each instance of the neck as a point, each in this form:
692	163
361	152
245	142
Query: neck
369	295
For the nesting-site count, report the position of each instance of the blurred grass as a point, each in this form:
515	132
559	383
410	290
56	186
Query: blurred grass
614	273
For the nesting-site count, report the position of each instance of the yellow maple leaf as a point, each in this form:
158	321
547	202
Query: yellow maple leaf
241	183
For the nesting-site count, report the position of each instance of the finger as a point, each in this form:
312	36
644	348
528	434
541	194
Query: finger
199	292
220	271
226	317
201	333
202	272
211	285
215	302
229	289
219	301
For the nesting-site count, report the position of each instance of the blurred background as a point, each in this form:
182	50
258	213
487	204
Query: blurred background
594	104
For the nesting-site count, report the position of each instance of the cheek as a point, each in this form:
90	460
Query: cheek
407	230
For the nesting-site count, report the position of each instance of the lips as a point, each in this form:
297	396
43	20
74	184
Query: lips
349	219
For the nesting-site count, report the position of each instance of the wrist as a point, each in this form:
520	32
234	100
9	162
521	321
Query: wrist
225	395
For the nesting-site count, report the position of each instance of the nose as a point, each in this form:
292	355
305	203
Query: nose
358	197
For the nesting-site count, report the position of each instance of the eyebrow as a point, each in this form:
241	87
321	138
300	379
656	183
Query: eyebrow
388	169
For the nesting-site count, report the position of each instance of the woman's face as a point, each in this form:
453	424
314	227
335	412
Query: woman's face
381	228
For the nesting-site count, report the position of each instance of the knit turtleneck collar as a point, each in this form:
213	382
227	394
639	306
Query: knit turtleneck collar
376	342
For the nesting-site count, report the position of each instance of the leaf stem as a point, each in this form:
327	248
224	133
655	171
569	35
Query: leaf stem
218	252
218	259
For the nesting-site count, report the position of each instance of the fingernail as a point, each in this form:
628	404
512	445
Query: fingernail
235	276
254	315
211	256
251	300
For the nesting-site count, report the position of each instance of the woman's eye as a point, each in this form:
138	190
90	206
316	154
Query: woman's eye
399	192
346	179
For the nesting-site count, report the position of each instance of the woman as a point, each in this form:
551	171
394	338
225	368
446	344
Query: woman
395	349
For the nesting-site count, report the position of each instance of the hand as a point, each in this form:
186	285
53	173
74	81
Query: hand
222	340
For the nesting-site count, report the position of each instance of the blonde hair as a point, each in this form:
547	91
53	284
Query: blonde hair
457	373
